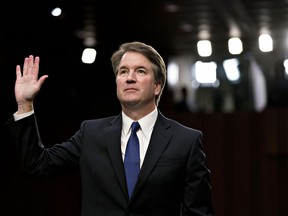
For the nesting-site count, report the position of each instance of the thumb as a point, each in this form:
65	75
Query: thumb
41	80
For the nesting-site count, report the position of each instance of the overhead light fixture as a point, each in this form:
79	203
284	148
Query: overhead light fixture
204	48
172	73
205	72
235	46
56	12
285	64
88	55
231	67
265	43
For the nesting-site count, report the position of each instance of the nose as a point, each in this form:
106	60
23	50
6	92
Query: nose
131	75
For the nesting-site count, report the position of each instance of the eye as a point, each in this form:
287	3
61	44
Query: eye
141	71
123	71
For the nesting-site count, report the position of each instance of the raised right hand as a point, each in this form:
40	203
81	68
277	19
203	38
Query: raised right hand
27	84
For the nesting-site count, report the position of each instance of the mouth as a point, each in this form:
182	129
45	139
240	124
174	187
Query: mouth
130	89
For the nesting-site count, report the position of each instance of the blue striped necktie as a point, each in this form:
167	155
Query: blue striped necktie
132	159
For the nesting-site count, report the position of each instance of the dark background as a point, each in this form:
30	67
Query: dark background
246	150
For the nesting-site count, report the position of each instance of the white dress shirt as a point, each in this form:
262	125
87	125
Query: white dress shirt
144	133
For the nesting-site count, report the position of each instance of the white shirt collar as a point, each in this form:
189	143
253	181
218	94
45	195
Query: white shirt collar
146	123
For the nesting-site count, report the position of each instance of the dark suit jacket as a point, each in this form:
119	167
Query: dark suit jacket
173	180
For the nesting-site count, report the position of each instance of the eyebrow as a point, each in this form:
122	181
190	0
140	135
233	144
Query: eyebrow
137	67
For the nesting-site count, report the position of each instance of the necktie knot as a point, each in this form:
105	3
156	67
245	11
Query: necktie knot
134	127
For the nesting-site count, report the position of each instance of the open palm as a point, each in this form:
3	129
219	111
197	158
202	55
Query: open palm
27	84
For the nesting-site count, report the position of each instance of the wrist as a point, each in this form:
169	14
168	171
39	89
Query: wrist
24	107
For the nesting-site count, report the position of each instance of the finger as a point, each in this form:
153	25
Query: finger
25	66
18	72
35	67
30	63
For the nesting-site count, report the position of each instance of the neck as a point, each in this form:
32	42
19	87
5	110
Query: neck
137	114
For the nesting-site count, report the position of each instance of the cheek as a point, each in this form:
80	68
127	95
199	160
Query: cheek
118	85
119	82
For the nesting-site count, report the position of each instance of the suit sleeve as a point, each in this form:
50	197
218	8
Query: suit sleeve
37	160
197	190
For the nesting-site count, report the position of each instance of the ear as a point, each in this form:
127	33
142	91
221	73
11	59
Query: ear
158	87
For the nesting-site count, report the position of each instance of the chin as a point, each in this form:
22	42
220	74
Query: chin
130	102
130	99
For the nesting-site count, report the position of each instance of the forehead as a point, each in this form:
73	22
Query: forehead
132	59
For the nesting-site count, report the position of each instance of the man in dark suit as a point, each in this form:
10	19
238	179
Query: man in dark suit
173	178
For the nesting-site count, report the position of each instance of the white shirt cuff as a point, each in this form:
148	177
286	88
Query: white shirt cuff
23	115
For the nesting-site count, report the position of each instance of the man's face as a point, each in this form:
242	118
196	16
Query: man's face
135	81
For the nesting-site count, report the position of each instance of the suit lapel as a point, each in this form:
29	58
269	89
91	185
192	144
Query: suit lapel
160	138
113	140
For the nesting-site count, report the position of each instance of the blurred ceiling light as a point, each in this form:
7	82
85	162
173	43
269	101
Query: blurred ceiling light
285	63
88	55
204	33
186	27
265	43
205	72
204	48
56	12
171	7
235	46
89	41
231	69
172	73
234	30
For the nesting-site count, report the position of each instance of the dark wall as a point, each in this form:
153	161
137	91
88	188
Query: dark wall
247	153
